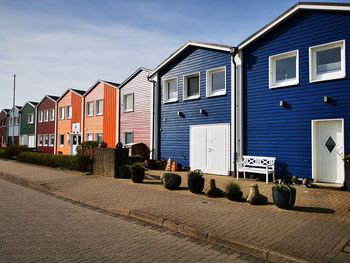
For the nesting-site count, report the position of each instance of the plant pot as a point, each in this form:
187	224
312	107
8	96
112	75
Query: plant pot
196	186
235	197
137	176
284	199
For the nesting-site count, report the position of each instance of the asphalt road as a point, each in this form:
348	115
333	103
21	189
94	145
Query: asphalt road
36	227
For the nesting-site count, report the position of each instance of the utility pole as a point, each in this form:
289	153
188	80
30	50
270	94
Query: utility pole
13	109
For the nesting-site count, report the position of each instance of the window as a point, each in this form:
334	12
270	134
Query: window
52	114
52	140
191	87
170	90
46	140
99	107
10	121
61	113
41	116
89	137
30	118
128	138
61	140
327	61
129	102
99	137
90	108
40	140
69	112
284	69
46	115
216	82
16	121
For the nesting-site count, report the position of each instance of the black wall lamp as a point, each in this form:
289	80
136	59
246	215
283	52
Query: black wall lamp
283	104
326	99
203	111
180	114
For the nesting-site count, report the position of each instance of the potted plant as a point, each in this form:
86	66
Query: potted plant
171	181
196	181
233	192
137	172
283	195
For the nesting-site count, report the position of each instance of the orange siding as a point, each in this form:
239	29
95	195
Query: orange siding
111	111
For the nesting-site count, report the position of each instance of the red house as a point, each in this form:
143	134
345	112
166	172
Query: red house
46	124
3	127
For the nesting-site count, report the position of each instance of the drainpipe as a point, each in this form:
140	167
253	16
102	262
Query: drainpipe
153	119
233	52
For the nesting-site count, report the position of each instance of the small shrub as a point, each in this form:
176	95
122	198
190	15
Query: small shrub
171	181
2	153
85	155
13	151
233	191
137	172
282	187
196	175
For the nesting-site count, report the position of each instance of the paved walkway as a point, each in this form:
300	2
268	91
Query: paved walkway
318	229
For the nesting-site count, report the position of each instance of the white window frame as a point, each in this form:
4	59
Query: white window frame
40	138
132	136
69	112
272	70
313	76
166	91
41	116
48	140
88	135
133	102
59	140
30	118
52	114
184	84
97	106
89	114
46	115
17	121
51	136
209	88
97	134
62	113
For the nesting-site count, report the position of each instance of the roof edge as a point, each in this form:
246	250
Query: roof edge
134	74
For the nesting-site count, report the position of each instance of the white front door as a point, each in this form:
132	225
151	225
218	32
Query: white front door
328	148
210	148
76	140
31	141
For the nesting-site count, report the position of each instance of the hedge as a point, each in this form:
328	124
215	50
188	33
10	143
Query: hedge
61	161
13	151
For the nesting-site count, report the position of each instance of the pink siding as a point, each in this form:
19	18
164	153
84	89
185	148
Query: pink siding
138	121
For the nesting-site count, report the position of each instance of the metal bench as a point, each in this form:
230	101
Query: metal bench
258	164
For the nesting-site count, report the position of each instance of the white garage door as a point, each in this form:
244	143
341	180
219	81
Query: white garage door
210	148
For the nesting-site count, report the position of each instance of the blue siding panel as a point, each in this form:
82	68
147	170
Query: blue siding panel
174	134
285	133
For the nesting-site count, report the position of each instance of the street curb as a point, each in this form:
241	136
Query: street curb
164	223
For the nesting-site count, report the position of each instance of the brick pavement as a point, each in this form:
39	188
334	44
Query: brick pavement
39	228
316	230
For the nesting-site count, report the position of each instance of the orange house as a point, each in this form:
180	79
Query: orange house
101	114
69	121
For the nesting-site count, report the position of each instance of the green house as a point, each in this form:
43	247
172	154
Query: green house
27	131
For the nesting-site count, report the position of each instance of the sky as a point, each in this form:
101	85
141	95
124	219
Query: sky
55	45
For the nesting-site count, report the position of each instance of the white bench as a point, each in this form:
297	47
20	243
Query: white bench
258	164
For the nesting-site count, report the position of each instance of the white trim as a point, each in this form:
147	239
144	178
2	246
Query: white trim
313	76
87	109
46	115
51	145
166	92
272	70
63	115
54	115
42	140
151	120
124	137
100	113
313	145
30	121
41	116
185	97
71	112
190	43
56	123
59	139
124	102
208	87
286	15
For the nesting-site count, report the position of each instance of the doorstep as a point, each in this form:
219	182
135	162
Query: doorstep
328	185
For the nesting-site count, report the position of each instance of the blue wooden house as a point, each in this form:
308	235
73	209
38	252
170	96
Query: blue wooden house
192	107
296	91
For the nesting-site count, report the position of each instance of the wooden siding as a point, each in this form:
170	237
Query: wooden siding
46	127
174	134
3	129
65	126
285	133
139	120
25	127
110	113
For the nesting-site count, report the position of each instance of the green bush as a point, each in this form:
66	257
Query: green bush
13	151
171	181
51	160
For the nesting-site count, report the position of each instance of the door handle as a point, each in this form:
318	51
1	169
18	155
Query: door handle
211	150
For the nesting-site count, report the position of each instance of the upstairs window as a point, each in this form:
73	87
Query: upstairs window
327	61
61	113
46	115
30	118
90	108
129	102
170	91
41	116
216	82
99	107
69	112
284	69
52	114
191	87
